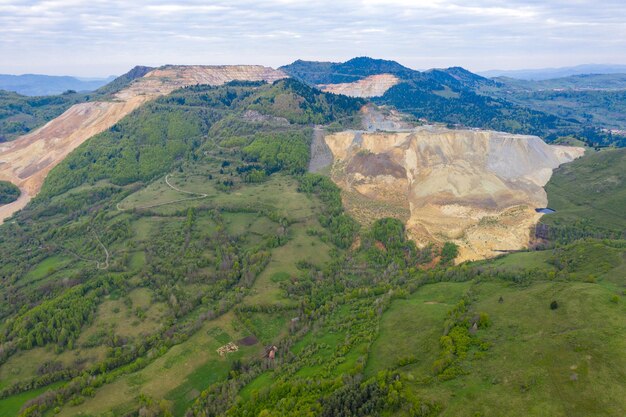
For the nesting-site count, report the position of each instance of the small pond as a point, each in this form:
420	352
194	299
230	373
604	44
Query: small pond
545	210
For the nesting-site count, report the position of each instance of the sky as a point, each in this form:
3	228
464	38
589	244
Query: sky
108	37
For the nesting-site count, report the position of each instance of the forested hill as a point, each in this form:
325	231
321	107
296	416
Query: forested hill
148	142
184	263
314	72
458	97
74	250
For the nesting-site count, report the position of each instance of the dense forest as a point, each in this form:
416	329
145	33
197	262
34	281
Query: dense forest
184	263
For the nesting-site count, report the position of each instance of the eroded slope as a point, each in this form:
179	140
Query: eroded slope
476	188
28	160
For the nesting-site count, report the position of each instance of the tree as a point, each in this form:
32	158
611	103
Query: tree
449	252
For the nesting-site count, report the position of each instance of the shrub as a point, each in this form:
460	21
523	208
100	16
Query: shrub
449	252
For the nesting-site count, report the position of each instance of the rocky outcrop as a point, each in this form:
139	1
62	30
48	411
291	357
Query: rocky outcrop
476	188
27	160
372	86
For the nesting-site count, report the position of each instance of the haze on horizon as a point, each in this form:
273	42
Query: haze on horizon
104	37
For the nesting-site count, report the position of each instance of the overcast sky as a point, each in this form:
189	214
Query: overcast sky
104	37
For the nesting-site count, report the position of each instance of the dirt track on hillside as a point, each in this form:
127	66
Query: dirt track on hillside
197	196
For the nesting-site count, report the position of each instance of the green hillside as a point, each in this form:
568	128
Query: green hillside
589	196
458	97
183	263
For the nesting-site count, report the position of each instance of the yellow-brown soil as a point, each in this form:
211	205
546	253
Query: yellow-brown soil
478	189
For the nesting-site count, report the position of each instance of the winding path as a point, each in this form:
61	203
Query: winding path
105	264
198	196
99	264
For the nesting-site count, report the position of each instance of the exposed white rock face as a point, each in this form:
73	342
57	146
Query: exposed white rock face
372	86
476	188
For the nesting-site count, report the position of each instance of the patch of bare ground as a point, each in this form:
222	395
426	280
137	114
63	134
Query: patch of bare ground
478	189
372	86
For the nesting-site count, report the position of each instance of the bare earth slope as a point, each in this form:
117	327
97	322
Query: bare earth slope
27	160
476	188
372	86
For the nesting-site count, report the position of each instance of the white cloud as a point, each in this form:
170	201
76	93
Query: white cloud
62	35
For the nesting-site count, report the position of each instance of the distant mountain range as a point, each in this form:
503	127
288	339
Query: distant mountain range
459	97
452	95
573	82
550	73
43	85
589	107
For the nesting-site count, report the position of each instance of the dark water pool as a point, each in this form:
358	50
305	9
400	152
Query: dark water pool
545	210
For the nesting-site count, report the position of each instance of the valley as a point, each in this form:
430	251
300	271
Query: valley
231	241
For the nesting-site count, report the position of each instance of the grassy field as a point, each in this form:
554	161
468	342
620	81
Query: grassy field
122	317
47	267
9	407
591	189
412	327
590	260
24	365
542	362
178	375
266	289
